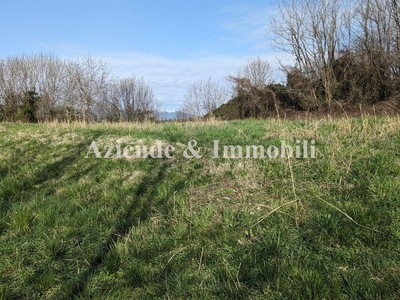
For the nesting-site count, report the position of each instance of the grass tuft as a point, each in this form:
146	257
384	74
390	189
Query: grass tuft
213	228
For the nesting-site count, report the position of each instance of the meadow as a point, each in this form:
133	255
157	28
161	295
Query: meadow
75	226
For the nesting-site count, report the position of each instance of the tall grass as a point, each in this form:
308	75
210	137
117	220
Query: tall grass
88	228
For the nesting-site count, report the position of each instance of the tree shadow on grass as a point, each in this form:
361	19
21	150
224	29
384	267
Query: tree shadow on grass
146	198
50	171
145	193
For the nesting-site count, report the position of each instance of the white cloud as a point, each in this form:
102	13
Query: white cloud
171	78
248	24
244	28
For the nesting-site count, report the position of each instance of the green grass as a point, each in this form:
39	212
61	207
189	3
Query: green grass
73	227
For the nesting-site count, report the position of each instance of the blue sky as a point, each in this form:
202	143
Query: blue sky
170	43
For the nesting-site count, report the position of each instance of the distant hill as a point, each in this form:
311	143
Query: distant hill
168	115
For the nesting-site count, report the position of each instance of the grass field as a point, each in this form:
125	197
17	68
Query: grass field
73	226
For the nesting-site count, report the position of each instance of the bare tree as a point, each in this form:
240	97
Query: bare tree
312	31
50	84
12	86
131	99
379	42
182	115
256	73
71	90
249	84
87	85
41	73
203	98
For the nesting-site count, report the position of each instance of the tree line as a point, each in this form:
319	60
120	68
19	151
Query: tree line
343	50
44	88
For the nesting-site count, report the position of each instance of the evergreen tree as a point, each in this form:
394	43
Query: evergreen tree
29	106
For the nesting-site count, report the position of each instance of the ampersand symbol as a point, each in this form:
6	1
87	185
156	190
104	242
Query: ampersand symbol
193	152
